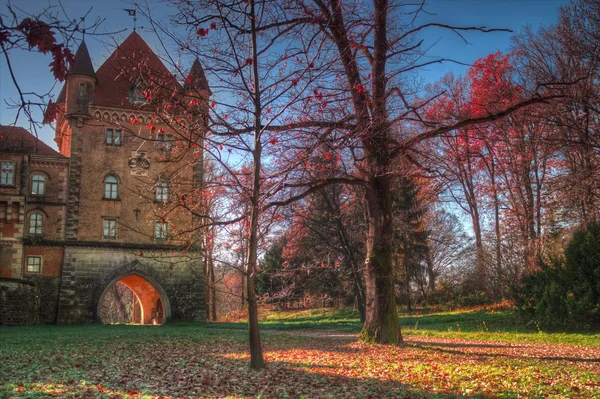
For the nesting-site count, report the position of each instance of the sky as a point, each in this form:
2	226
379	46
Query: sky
33	74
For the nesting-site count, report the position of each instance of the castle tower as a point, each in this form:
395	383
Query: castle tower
123	225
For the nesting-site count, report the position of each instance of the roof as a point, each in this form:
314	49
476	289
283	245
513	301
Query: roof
196	79
131	62
82	64
14	139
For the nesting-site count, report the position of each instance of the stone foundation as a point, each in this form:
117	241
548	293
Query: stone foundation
88	272
19	303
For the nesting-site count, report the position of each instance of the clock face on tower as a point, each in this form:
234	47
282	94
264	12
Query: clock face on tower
138	163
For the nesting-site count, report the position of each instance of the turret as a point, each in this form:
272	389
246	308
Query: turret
196	83
81	82
197	92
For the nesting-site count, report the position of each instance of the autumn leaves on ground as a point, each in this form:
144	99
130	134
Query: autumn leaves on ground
310	354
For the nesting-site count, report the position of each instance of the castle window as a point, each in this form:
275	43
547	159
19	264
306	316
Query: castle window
38	184
35	224
34	264
7	175
164	142
109	228
161	230
111	187
136	96
82	90
113	137
162	191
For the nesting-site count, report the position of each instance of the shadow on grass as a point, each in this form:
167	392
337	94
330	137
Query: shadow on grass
127	361
454	349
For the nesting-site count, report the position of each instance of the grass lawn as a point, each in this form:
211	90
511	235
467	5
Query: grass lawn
310	354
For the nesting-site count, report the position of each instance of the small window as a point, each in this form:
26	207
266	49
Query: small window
82	90
113	137
109	228
161	230
164	142
111	187
34	264
162	191
7	175
38	184
35	223
136	95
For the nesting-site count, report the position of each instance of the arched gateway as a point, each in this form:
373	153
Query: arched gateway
134	298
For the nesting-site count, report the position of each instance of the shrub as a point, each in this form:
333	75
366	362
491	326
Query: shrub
566	291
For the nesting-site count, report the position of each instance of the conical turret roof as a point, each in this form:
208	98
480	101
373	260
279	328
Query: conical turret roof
82	64
196	79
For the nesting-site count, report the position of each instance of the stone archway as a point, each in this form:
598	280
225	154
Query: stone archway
150	304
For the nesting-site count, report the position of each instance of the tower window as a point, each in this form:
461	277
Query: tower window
34	264
136	95
164	142
82	90
109	228
38	184
161	230
7	175
113	137
35	223
111	187
162	191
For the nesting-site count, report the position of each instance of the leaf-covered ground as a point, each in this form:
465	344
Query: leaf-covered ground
196	360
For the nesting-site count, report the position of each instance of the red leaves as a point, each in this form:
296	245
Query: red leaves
61	58
249	61
213	25
202	32
51	111
273	140
3	36
39	34
359	88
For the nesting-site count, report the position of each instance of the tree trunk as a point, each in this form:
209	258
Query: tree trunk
257	361
212	288
381	324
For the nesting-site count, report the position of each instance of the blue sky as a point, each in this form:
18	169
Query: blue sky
33	73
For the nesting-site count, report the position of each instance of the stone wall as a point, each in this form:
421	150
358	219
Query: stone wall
48	288
19	303
88	271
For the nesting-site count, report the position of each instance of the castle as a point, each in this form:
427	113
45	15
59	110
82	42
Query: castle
114	206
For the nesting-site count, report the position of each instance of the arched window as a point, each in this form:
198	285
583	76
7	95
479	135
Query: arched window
35	223
111	187
162	191
38	184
